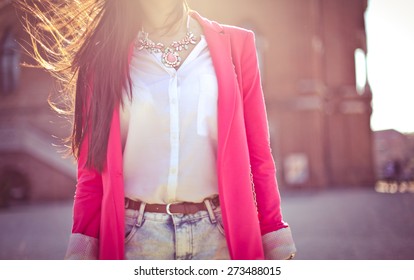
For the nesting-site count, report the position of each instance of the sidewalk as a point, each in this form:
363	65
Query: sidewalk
36	231
348	224
331	224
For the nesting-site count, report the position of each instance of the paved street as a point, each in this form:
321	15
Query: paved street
352	224
333	224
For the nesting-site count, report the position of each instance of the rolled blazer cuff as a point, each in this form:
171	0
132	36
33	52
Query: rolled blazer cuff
279	244
82	247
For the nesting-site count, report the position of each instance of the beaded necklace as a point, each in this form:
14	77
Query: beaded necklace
171	54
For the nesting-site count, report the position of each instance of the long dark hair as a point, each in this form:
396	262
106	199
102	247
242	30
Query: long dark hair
85	44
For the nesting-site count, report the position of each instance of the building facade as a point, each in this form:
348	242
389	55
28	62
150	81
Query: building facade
318	107
394	155
32	166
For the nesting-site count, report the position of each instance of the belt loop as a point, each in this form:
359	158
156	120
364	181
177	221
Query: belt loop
210	211
141	212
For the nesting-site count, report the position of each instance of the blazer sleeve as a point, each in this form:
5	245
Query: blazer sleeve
83	242
276	235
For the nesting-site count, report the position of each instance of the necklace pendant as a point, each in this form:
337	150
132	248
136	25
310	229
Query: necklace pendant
171	58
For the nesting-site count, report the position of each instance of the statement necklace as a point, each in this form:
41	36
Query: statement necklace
170	55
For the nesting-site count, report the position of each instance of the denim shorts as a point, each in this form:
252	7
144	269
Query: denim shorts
159	236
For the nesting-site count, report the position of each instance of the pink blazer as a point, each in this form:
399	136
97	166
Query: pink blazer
244	160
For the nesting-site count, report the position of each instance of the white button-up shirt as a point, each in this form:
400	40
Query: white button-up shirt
169	128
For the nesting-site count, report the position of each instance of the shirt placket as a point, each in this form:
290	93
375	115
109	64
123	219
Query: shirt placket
174	138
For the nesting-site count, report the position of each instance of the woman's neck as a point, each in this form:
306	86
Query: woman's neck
160	15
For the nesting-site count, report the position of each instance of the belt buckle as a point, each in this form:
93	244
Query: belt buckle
167	209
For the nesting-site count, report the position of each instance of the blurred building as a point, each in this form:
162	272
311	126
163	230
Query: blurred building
312	60
30	165
394	154
312	57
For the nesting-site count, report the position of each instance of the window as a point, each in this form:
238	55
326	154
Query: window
360	70
9	62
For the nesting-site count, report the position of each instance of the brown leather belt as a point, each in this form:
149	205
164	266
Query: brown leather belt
172	208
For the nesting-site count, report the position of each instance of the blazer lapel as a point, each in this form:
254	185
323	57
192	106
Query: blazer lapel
220	50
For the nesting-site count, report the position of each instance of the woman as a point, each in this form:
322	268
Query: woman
170	134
